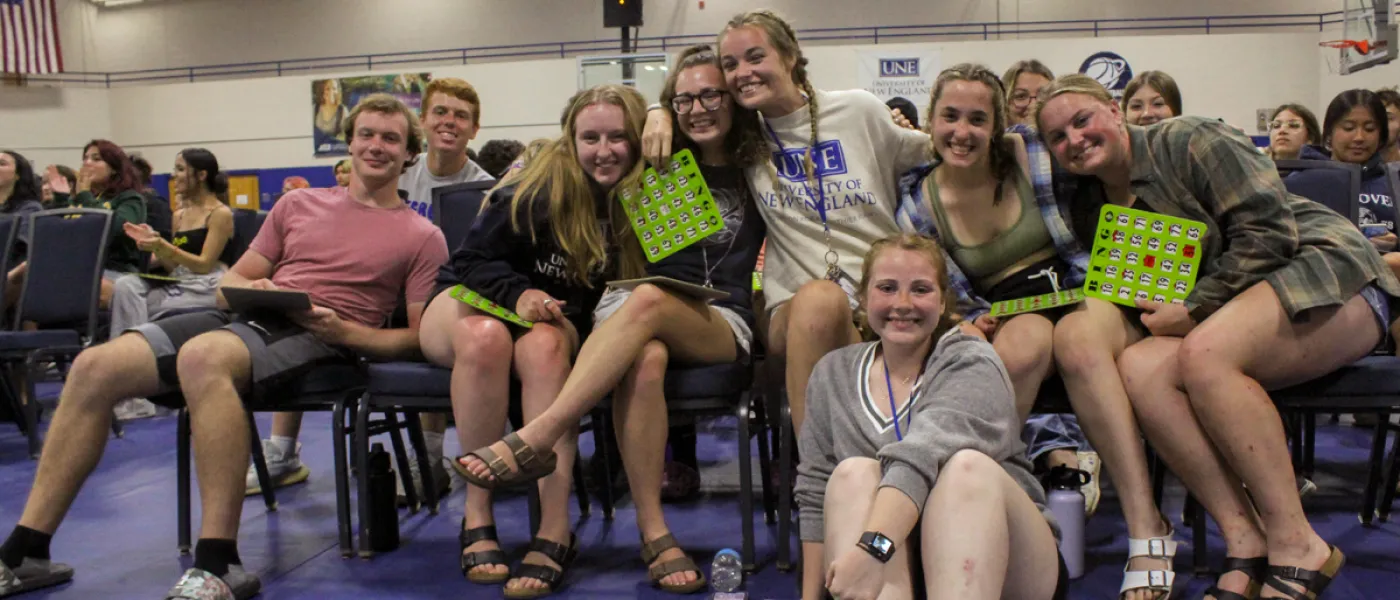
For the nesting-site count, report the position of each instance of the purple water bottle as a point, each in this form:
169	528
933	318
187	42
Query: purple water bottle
1067	504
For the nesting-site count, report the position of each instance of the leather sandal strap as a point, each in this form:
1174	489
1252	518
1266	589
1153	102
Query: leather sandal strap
472	560
1256	568
671	567
559	553
1312	581
546	574
1282	587
654	548
1219	594
471	536
525	456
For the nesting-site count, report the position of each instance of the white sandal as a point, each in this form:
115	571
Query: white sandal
1162	548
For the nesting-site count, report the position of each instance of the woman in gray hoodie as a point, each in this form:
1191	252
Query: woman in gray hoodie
918	429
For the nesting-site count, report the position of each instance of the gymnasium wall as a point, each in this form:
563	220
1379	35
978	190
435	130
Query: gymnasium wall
177	33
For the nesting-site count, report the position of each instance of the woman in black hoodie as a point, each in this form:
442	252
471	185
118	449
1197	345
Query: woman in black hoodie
542	247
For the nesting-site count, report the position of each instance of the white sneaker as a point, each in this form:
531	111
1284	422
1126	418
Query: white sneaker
283	470
134	408
441	476
1089	463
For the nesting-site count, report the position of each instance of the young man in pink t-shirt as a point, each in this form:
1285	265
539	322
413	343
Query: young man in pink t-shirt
352	250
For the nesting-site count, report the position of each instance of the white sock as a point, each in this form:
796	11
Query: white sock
432	442
286	444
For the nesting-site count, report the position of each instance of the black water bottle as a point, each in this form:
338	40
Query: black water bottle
383	514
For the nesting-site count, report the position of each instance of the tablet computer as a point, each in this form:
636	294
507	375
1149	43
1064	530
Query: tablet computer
244	300
680	287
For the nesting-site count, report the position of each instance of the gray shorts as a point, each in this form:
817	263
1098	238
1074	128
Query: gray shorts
281	351
743	335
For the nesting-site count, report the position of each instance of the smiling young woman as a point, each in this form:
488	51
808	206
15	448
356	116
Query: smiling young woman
1288	291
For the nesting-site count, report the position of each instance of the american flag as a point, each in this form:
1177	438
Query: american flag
29	37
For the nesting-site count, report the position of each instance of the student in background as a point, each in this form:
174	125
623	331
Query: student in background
913	441
197	254
1022	82
108	180
56	172
1291	128
342	173
497	155
451	118
158	214
1391	99
295	182
543	247
1288	291
19	195
1150	97
1354	131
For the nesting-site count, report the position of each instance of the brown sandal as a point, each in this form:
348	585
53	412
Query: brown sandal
529	465
653	549
550	576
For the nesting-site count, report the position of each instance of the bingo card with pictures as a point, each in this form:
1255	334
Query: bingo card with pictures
672	210
1016	306
1142	255
475	300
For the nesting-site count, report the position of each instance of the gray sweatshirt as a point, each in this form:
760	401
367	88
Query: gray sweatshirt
963	400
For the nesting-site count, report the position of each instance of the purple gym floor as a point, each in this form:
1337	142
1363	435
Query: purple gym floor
121	538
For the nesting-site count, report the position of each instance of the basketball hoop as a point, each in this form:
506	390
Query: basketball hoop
1361	46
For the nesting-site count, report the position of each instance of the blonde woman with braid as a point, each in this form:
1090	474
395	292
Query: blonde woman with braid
829	193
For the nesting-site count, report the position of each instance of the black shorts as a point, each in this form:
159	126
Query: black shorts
281	351
1021	284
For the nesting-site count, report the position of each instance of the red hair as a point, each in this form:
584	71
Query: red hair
297	182
124	176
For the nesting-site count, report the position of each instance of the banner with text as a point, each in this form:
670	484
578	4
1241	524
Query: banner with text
908	75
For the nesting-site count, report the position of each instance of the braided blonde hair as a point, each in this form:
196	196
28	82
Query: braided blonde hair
784	39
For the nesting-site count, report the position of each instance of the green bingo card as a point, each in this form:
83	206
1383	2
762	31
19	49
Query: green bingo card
1017	306
1141	255
475	300
672	210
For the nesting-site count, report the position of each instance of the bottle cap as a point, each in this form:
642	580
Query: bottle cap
1065	478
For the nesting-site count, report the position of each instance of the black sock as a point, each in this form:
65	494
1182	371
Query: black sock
215	556
24	543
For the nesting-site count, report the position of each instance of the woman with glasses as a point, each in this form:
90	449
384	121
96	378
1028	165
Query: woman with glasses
1022	83
1291	127
639	331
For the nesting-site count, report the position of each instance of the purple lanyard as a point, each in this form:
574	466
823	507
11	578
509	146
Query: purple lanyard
894	411
832	270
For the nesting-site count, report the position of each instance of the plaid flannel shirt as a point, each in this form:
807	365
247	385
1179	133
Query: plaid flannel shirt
914	215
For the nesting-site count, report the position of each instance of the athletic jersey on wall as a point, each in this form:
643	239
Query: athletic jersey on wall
419	182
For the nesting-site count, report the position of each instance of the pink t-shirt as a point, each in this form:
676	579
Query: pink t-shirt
351	258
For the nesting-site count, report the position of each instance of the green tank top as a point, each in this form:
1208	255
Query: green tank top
1026	237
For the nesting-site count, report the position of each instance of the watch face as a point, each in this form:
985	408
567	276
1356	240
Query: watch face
882	543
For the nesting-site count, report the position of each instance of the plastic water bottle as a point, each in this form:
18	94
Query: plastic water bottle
1067	504
727	575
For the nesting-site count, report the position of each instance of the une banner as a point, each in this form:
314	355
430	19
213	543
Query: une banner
908	75
332	99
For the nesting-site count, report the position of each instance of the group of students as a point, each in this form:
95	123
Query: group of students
909	398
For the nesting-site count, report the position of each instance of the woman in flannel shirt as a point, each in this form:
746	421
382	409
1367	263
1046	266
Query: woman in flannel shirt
1287	291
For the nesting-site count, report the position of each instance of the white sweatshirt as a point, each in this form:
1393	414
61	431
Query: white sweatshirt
859	157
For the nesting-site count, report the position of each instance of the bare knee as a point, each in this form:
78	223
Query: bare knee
1025	354
207	359
96	371
1203	359
645	305
970	476
1144	365
481	340
1079	348
651	364
819	306
852	475
545	349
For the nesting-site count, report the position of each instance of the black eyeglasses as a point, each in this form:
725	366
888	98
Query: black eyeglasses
710	99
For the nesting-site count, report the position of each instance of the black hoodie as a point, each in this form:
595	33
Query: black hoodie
1376	199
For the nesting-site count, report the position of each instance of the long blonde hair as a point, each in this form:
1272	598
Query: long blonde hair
555	176
784	39
928	248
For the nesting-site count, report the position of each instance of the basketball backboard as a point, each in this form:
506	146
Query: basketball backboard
1371	22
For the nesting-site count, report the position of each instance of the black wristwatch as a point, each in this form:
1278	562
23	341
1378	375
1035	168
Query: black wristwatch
879	546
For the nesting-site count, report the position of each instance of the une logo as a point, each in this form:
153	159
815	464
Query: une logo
827	159
899	67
